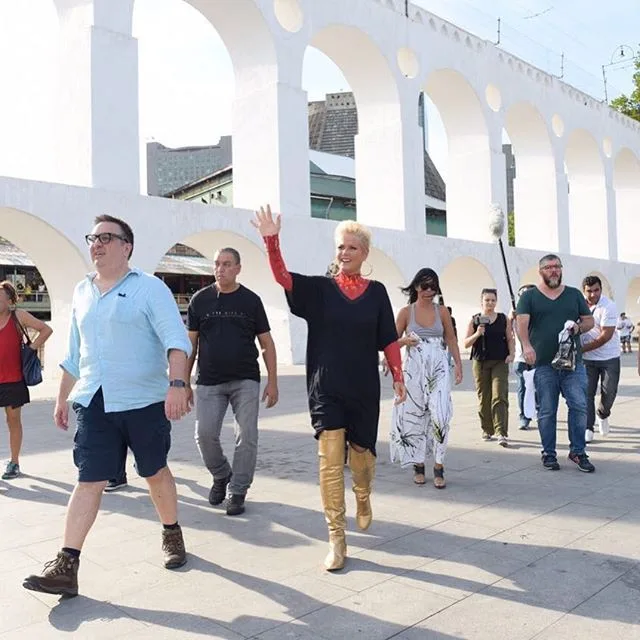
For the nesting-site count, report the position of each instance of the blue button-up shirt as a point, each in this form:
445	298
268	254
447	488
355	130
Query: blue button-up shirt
119	340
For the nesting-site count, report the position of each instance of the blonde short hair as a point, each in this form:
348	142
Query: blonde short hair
356	229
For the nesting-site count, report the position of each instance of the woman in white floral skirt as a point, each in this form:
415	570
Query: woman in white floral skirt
420	426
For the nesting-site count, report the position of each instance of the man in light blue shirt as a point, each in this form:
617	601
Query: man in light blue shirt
126	331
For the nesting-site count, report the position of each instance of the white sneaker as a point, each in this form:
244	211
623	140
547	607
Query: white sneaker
588	435
603	426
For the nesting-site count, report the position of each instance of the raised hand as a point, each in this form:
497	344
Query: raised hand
265	223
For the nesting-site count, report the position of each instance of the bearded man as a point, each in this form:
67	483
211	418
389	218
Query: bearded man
543	312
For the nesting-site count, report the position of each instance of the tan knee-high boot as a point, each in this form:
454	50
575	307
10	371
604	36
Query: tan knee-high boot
331	453
363	468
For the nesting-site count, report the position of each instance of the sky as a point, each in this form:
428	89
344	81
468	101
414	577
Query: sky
186	80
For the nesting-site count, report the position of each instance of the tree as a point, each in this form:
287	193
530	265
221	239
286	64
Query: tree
630	105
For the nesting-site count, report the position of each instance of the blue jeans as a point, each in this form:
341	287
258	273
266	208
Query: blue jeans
518	369
550	383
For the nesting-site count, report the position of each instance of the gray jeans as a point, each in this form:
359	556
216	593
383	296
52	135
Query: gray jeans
211	406
607	373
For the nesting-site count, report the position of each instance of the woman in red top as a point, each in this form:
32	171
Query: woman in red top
13	391
350	320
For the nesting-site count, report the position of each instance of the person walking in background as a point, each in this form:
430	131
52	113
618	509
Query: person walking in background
625	332
601	355
542	314
520	366
14	393
224	321
350	320
420	426
126	335
491	340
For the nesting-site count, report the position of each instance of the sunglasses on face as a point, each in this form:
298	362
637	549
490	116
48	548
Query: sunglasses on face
428	286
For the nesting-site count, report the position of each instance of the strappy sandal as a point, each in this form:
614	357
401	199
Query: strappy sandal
438	478
418	474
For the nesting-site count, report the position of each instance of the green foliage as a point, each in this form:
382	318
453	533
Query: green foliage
630	105
511	228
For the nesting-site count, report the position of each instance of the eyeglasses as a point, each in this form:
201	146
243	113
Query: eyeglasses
551	267
424	286
103	238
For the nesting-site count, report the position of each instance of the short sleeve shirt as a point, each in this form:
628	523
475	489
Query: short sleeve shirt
547	318
605	314
227	324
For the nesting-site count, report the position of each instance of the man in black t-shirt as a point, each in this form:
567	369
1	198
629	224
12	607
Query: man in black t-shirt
224	321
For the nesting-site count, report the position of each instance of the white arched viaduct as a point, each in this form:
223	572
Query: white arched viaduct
577	190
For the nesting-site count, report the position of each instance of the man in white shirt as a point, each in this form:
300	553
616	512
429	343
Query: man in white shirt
625	330
601	356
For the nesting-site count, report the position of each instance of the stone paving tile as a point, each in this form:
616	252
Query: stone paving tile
461	574
481	617
507	549
376	613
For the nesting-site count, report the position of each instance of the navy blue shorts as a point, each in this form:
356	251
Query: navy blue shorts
101	439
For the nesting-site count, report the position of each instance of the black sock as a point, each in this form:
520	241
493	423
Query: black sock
175	525
72	552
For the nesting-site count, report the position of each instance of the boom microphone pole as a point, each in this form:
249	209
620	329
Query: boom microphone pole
496	227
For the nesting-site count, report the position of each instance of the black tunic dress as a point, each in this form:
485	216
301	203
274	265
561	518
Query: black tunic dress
343	342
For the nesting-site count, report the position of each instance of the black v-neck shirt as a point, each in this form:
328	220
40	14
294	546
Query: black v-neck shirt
343	342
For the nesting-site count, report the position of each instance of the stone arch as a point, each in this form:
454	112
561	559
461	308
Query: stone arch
385	270
461	282
535	193
632	303
255	275
469	192
588	227
530	276
245	32
379	141
626	182
61	265
607	289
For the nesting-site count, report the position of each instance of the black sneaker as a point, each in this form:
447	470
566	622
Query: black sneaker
582	460
219	490
114	485
550	462
235	505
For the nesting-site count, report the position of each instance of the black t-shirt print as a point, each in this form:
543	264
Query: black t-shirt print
228	324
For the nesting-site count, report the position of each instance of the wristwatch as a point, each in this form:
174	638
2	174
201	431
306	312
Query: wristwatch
178	383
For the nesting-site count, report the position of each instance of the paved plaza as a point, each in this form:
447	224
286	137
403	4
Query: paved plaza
507	551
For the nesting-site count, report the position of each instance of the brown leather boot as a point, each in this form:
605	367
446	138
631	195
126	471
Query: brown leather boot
363	468
331	446
175	555
59	577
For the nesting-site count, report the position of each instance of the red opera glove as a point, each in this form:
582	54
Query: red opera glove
394	361
276	262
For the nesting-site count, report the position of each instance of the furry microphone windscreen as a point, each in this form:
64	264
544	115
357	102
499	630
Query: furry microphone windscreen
496	221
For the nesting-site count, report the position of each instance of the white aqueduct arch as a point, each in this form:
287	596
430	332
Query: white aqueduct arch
378	144
535	195
469	160
61	265
461	282
626	181
587	196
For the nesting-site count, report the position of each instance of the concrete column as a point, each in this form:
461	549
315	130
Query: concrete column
271	147
562	195
97	116
612	216
390	166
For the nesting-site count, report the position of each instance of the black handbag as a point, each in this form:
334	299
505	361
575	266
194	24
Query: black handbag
31	365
